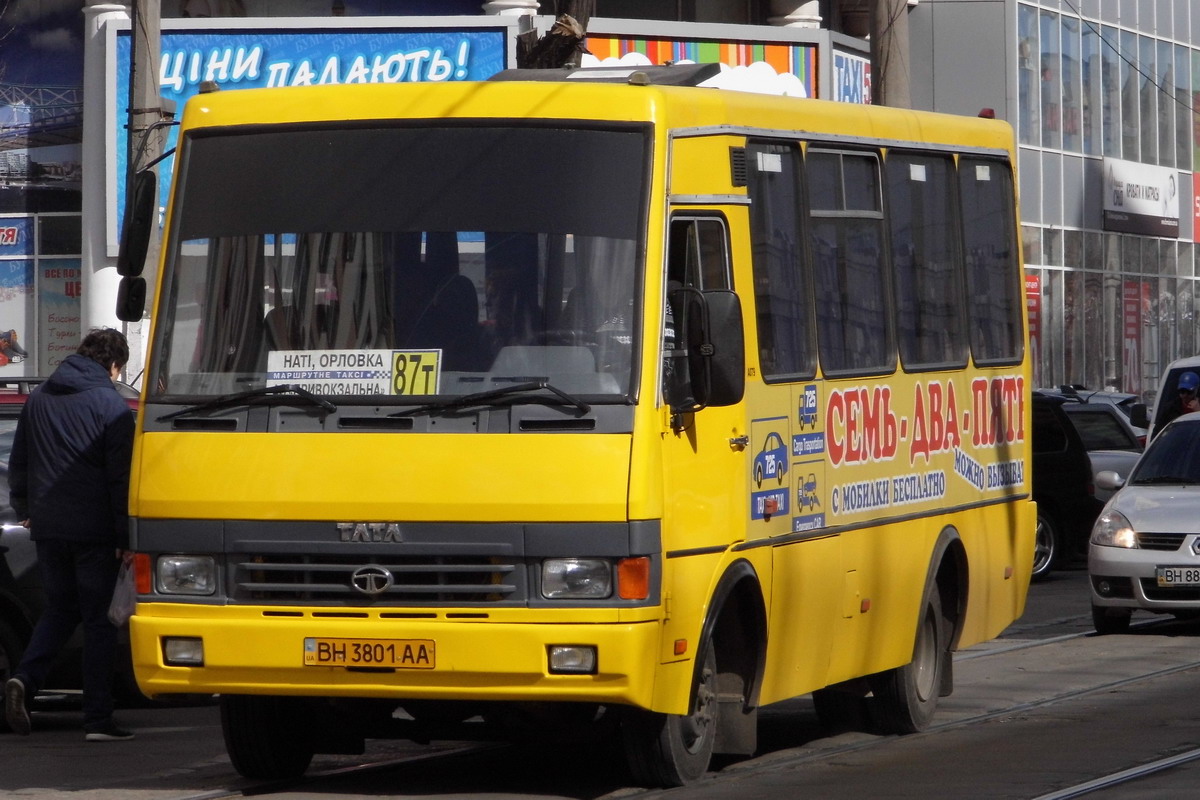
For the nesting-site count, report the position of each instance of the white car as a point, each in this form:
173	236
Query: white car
1144	551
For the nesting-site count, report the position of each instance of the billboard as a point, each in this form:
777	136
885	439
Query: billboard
1140	198
784	58
249	54
41	107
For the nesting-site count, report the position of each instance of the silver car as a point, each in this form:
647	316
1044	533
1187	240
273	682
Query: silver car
1145	546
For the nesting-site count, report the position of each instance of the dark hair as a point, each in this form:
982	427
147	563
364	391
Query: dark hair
106	347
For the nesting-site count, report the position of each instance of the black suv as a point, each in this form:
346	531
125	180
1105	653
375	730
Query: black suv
1062	487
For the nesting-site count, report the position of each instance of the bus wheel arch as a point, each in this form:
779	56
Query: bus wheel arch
736	628
906	696
674	750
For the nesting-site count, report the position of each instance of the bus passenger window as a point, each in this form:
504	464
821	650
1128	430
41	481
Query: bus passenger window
926	252
846	241
782	292
989	237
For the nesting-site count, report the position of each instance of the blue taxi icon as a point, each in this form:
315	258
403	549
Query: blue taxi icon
772	460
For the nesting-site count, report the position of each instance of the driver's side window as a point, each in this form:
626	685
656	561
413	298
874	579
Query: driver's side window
697	258
698	253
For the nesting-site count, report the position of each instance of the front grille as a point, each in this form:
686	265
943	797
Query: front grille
416	580
1153	591
1160	541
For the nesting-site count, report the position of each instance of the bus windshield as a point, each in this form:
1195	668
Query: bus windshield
387	262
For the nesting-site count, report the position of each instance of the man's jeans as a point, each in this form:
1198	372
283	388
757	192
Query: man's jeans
78	579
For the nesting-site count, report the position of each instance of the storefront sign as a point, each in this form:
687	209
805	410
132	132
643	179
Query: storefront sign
1196	204
1033	305
16	304
1135	298
59	285
1139	198
16	236
851	78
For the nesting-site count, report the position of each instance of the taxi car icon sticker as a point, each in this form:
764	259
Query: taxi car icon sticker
772	460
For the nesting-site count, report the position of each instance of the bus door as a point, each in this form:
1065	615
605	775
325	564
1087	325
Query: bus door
704	452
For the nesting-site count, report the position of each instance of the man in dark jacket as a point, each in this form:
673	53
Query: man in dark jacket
69	481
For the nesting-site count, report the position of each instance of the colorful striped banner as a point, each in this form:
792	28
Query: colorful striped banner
798	59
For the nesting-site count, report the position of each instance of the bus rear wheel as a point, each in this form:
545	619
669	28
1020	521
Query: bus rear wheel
906	697
266	736
665	750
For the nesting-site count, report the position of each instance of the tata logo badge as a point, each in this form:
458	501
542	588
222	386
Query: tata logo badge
371	580
369	532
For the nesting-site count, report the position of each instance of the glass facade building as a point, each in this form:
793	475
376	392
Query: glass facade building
1113	81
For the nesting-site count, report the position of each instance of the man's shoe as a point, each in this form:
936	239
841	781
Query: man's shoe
108	732
14	706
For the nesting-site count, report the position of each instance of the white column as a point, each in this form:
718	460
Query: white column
99	271
511	8
793	14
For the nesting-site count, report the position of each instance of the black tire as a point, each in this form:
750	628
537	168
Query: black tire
906	697
10	656
1047	546
266	736
1111	620
667	750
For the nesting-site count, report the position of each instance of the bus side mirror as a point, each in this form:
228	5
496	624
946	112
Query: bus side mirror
709	366
131	299
139	223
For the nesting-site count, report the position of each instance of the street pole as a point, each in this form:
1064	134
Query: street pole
890	54
147	136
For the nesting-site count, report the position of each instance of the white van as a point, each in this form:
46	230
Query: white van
1164	401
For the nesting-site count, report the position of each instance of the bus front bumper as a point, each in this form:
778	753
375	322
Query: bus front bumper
263	651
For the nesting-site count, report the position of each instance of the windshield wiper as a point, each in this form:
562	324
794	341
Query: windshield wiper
289	391
517	392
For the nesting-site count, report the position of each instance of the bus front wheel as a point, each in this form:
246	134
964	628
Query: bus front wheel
265	736
665	750
906	697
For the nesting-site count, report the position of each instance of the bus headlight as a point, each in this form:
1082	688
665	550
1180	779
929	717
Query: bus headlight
196	575
576	578
571	659
183	651
1112	529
